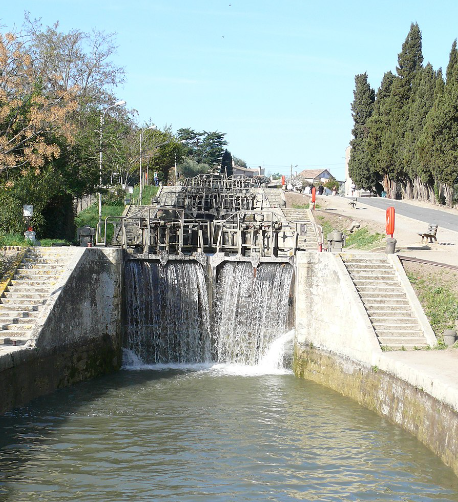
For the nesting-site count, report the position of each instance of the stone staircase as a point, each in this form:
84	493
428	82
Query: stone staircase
309	241
28	291
386	303
274	197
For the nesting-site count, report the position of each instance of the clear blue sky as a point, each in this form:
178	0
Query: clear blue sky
276	76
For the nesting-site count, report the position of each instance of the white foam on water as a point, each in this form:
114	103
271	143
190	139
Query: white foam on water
131	361
270	364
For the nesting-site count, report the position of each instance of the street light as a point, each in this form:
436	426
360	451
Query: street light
102	118
153	127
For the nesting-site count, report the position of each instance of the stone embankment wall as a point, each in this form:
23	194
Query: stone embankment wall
337	347
78	335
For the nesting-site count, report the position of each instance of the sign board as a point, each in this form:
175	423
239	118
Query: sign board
27	210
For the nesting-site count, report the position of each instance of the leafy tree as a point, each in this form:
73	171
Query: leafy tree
52	88
82	60
192	142
203	147
30	117
190	168
212	147
362	108
239	162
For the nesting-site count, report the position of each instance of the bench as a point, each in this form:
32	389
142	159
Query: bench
353	202
430	234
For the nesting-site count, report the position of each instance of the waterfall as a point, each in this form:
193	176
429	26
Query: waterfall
167	312
251	310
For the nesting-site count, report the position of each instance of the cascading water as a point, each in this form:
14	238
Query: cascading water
168	319
167	312
251	310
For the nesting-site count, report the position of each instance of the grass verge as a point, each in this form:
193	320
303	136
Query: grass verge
362	238
437	291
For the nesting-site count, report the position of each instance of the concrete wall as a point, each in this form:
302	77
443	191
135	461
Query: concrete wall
432	421
336	346
329	312
78	335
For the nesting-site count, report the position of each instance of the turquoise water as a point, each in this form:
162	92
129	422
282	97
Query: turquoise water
216	434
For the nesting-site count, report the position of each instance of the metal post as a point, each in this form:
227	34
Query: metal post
100	180
141	172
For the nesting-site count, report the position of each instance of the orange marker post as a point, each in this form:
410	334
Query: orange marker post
390	221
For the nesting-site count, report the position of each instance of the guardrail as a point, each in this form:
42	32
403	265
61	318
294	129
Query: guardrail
244	233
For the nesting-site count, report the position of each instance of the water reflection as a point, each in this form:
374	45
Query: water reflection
210	435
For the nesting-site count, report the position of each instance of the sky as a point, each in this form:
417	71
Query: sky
277	77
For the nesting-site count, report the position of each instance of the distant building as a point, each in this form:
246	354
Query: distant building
316	175
239	171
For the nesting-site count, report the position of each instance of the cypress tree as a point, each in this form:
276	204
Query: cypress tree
226	163
380	137
419	180
362	108
410	61
441	133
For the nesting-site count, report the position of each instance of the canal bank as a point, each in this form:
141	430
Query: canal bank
416	391
77	334
337	346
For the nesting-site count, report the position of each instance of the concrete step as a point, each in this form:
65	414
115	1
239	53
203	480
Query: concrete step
16	314
363	261
25	287
376	289
35	282
391	314
379	282
404	346
20	295
36	272
411	341
17	321
383	296
16	328
400	333
22	301
373	276
13	308
393	309
8	340
394	324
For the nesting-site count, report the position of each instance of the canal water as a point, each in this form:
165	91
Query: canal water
210	433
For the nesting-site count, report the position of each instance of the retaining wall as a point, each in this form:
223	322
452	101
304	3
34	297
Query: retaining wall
336	346
78	335
433	421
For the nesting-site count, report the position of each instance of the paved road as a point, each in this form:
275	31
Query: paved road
440	218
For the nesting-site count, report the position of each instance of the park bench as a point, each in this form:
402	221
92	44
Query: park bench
430	234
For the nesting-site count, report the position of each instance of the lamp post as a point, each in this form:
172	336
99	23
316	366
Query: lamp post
102	118
153	127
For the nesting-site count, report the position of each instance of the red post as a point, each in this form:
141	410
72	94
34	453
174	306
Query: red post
390	221
283	182
313	197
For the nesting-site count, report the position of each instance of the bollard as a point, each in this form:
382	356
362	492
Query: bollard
449	337
390	245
